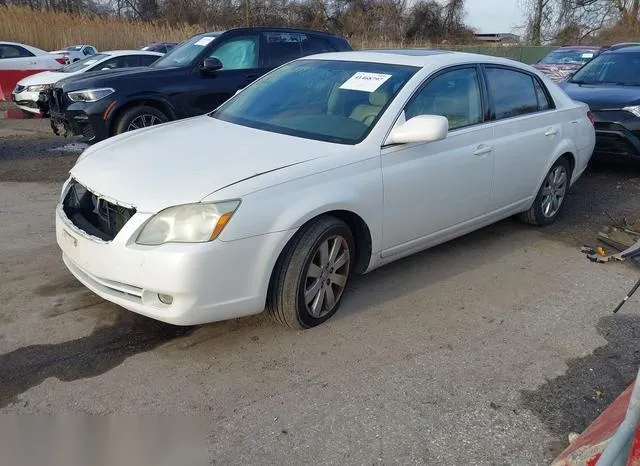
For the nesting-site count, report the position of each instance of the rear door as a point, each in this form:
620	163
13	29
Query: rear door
526	134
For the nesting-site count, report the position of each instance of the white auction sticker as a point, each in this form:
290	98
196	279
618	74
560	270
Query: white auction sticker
205	41
367	82
587	55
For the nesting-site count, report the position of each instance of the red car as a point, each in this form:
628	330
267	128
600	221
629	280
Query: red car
563	61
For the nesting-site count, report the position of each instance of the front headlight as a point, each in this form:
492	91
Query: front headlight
90	95
635	109
39	87
189	223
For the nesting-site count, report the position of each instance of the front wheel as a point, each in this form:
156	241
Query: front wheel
311	276
550	198
139	117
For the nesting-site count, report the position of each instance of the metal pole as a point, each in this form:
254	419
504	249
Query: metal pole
621	440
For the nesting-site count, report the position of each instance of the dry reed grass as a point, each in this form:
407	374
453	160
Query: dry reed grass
52	30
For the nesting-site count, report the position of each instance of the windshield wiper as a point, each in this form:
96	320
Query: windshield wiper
628	84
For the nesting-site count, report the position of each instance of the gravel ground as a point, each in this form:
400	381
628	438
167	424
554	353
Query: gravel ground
487	350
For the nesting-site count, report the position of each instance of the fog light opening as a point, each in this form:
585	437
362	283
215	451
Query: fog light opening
165	298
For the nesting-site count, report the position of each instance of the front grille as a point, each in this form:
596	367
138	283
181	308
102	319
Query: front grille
27	103
93	214
56	100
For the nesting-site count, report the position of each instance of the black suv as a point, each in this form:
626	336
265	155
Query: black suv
192	79
610	85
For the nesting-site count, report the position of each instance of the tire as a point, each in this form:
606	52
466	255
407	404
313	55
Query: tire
299	269
136	115
551	196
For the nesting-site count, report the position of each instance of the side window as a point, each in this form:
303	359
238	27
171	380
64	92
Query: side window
240	53
146	60
283	47
313	45
12	51
512	91
88	51
110	64
543	100
454	95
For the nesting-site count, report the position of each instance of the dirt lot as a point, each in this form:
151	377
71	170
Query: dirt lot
486	350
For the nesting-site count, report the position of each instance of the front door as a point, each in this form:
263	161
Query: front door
240	57
433	187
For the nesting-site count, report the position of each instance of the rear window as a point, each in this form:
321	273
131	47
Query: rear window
514	93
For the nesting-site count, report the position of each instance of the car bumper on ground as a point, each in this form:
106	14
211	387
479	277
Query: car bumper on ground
617	135
207	282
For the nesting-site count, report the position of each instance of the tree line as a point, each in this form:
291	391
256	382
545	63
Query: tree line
393	21
582	21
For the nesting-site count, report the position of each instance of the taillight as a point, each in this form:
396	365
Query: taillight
591	118
63	60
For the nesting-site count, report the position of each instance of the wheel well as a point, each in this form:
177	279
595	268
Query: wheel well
157	104
361	238
571	159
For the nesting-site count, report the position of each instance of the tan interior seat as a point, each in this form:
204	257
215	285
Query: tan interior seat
367	113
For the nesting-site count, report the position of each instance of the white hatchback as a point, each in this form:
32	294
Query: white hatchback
330	165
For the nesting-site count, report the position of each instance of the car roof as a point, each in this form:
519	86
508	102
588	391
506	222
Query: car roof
266	29
580	47
118	53
422	58
625	49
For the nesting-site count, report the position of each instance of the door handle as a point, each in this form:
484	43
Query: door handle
551	132
483	150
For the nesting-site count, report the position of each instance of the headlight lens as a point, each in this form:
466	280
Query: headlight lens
90	95
190	223
38	87
634	109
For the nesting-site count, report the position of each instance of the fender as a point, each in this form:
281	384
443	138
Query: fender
356	188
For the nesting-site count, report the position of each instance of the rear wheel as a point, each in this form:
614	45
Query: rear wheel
550	198
311	276
140	117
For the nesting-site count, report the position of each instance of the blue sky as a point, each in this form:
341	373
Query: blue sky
494	15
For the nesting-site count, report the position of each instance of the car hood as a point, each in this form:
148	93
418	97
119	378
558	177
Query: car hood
603	96
186	160
46	77
110	77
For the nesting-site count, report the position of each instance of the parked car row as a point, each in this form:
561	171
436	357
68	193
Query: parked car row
26	94
192	79
332	164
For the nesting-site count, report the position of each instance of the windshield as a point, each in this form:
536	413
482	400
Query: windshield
610	68
82	64
326	100
568	57
185	53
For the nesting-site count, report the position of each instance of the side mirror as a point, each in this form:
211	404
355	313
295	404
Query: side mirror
421	128
211	65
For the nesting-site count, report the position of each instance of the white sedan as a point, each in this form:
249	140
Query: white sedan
28	89
75	53
17	57
330	165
